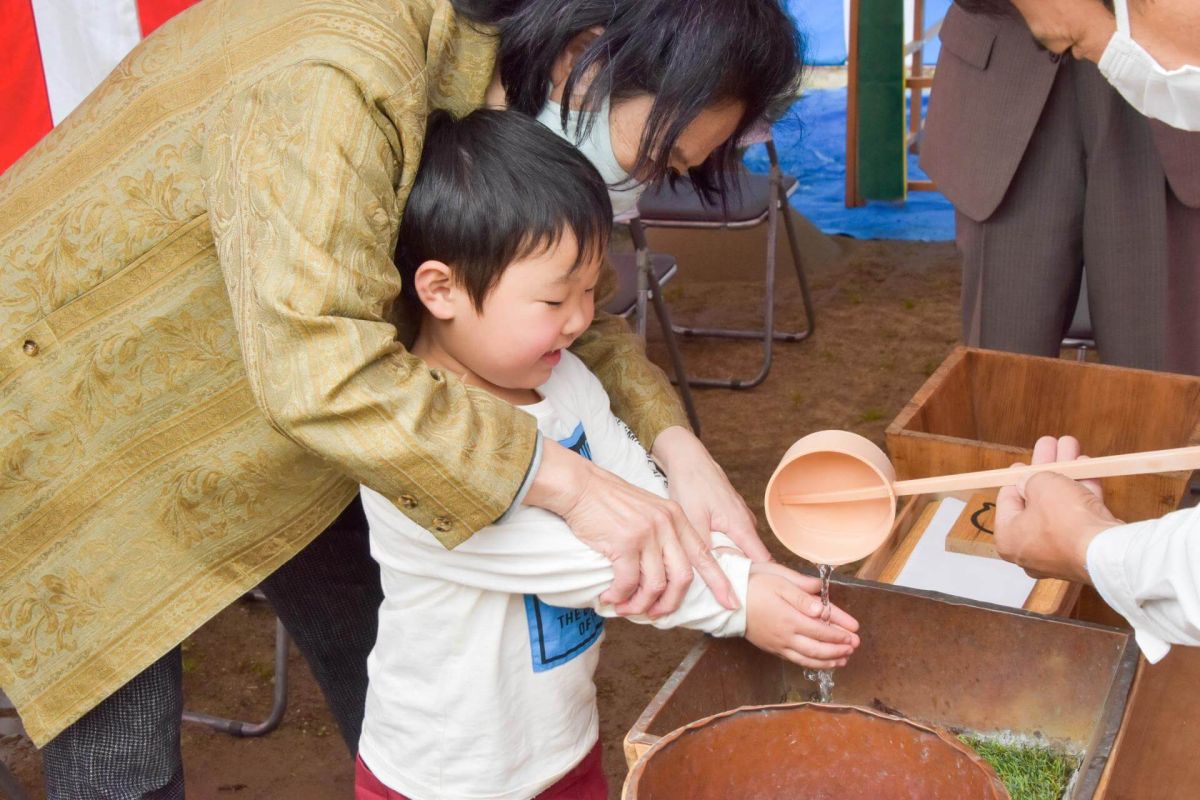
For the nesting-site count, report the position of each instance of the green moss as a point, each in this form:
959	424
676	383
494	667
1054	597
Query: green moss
872	415
1029	773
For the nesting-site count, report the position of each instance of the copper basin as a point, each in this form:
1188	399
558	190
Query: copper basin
819	752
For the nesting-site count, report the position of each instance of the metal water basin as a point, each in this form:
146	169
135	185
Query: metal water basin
943	661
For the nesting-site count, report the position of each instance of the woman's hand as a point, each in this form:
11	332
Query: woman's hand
699	485
652	546
783	617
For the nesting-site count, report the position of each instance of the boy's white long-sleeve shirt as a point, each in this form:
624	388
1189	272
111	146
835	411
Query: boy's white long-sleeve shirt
481	676
1149	572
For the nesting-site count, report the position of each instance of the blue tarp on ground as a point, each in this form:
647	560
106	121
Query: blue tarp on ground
823	23
811	141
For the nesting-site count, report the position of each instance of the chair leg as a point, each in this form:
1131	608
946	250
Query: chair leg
767	333
236	727
810	316
664	321
644	278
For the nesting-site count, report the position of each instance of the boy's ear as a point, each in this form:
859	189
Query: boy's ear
436	289
565	62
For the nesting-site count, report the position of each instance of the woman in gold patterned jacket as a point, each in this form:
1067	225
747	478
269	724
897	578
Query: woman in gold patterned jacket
201	347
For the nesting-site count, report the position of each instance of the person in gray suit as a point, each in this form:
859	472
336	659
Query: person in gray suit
1049	169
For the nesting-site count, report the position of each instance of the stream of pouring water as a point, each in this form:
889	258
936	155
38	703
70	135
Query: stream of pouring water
824	677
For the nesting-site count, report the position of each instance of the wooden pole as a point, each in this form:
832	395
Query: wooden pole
853	196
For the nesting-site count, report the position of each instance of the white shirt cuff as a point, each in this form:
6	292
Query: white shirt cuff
737	568
1107	566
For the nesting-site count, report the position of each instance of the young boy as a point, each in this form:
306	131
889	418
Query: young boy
481	677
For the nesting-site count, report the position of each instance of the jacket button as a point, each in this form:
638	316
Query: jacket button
441	524
1055	57
30	347
408	501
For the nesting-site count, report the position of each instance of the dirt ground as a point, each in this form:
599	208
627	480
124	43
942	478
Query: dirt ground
886	317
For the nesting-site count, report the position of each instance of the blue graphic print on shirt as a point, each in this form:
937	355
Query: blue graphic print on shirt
557	635
578	442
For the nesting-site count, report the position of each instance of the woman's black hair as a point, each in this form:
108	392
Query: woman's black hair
495	187
689	54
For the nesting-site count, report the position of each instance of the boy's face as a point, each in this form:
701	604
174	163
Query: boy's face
538	308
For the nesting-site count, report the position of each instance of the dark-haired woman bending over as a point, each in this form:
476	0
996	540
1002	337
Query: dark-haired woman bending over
202	348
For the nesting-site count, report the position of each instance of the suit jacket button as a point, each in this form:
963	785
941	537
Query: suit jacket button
408	501
30	347
441	524
1056	57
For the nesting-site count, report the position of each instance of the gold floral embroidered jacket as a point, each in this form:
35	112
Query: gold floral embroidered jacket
199	355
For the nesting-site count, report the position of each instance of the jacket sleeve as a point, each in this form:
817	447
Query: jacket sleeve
1149	572
641	394
302	175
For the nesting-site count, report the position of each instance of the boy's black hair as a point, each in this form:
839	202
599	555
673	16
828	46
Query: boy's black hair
689	54
495	187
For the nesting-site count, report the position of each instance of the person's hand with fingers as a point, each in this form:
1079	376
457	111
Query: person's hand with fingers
783	617
649	540
696	481
1046	522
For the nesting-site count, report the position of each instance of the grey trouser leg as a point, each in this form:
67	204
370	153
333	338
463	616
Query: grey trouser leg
126	748
1125	225
328	598
1090	190
1021	267
1183	288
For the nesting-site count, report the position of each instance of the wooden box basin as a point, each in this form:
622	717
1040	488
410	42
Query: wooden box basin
984	409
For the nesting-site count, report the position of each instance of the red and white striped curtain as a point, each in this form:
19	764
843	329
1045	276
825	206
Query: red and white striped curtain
56	51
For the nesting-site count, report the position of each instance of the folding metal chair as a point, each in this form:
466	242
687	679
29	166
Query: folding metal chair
237	727
640	276
756	199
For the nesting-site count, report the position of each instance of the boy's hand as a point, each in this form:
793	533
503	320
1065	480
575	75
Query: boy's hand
783	616
649	540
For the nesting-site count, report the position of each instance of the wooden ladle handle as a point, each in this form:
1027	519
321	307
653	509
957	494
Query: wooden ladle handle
1180	458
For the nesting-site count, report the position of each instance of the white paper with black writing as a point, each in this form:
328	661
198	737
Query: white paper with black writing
932	567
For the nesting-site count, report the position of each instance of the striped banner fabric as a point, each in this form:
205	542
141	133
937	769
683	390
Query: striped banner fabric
58	51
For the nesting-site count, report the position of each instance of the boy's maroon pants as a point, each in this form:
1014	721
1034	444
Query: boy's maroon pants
585	782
